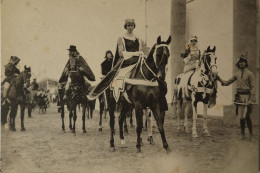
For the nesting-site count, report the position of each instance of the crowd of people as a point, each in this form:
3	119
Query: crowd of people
128	51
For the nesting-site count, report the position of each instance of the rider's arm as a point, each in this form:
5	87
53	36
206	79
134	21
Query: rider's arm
16	70
228	82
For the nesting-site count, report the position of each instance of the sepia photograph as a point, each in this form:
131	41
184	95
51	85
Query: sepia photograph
129	86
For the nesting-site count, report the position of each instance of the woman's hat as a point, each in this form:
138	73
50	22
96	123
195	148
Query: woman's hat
72	48
129	21
194	38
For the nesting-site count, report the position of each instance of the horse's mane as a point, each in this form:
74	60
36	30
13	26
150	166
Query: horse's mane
150	55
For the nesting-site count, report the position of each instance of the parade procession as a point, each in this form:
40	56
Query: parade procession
130	86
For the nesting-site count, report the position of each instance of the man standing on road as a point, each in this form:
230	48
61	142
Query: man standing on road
246	93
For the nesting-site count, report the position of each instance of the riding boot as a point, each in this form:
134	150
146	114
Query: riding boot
242	126
249	125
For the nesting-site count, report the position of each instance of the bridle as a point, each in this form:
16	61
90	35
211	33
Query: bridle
164	54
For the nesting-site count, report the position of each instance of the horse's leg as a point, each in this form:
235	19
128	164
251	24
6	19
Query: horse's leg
125	126
13	113
100	116
70	117
4	113
186	114
112	125
178	112
159	117
84	118
29	110
205	117
194	117
139	122
74	118
91	112
62	117
22	111
88	110
121	120
131	120
149	126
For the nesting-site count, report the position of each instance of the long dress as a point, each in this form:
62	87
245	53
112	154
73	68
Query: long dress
118	63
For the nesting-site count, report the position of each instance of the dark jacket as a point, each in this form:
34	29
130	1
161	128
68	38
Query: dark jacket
79	64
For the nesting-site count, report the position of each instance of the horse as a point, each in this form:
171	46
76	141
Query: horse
16	95
145	93
42	102
90	108
75	95
197	86
102	109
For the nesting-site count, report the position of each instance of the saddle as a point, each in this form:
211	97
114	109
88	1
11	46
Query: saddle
119	82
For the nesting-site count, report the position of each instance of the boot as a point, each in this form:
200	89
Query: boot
249	126
242	126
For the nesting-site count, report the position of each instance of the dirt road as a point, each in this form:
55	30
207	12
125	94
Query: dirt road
44	148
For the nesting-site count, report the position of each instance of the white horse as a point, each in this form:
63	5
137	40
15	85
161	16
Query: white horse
197	86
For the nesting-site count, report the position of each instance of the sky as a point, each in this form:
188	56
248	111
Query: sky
40	31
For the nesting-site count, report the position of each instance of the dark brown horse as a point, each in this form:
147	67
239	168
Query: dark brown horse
75	95
16	95
142	90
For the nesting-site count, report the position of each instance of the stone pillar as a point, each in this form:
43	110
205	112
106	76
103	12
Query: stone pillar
244	32
178	25
257	46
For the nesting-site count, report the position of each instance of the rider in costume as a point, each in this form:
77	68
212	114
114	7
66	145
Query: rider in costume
75	63
10	72
191	56
128	51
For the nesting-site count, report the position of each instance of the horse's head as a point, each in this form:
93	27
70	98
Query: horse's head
160	55
210	61
26	76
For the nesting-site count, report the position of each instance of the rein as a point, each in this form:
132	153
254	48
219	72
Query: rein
154	59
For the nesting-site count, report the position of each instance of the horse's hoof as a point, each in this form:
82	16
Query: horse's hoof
168	150
23	129
207	134
13	129
84	131
140	155
100	129
112	149
150	139
195	135
187	130
123	144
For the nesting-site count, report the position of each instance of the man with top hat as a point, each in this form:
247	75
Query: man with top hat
76	63
246	93
10	72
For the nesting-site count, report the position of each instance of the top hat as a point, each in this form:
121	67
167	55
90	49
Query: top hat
72	48
14	59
